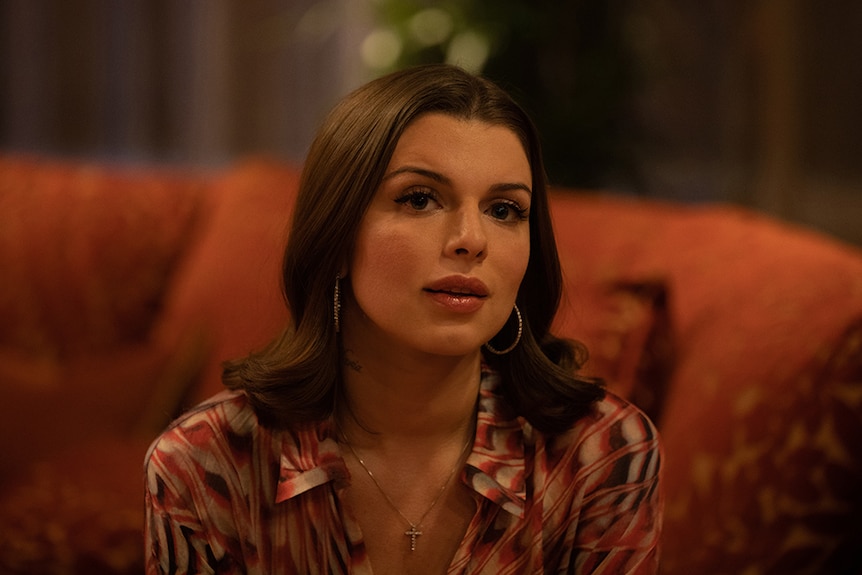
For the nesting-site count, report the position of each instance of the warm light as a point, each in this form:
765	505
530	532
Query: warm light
430	27
381	48
470	50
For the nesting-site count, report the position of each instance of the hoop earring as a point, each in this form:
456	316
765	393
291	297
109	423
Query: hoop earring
490	348
336	304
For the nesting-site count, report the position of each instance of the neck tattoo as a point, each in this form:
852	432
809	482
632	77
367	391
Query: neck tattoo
414	530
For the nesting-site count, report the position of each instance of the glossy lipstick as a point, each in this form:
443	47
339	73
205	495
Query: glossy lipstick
460	294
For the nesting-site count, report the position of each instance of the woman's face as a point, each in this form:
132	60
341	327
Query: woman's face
444	244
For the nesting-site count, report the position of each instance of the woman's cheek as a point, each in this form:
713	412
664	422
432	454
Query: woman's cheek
385	259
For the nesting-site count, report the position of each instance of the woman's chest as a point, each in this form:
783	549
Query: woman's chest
329	530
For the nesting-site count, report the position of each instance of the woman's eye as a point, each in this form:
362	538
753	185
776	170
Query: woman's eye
416	200
507	212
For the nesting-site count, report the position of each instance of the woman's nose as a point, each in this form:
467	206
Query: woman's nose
468	237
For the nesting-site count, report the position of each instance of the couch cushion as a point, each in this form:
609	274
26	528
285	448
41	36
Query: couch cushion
86	252
621	315
78	513
230	285
626	326
50	407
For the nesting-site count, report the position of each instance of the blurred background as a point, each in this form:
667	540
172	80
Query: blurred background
752	102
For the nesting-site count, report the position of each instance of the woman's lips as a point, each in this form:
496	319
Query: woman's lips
459	303
459	294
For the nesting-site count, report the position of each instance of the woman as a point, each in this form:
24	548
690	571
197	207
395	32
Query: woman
416	416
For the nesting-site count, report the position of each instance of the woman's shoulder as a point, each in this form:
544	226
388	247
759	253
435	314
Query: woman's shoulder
615	412
614	426
225	420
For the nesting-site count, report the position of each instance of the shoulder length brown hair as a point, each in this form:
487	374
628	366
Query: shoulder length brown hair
297	378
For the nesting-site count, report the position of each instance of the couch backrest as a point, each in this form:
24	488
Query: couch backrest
744	337
87	257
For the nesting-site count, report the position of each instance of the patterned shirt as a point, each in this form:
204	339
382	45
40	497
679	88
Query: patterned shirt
228	495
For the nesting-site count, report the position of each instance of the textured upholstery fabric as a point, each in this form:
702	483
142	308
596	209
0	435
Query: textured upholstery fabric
230	287
87	255
77	513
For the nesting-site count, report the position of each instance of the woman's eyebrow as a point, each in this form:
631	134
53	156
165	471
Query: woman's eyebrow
430	174
440	178
508	187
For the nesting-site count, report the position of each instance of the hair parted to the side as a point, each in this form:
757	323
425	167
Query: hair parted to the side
296	379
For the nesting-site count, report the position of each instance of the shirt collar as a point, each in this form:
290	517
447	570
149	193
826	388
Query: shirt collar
310	457
495	468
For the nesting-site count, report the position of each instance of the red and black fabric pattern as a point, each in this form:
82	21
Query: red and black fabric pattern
227	495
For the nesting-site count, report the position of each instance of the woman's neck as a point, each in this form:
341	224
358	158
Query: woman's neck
390	401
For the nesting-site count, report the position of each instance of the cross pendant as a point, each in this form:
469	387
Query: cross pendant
413	533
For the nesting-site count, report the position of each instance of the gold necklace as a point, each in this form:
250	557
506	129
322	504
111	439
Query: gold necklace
414	531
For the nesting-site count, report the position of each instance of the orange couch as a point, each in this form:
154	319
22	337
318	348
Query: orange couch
123	288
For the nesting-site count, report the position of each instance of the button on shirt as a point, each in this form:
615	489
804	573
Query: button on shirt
228	495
